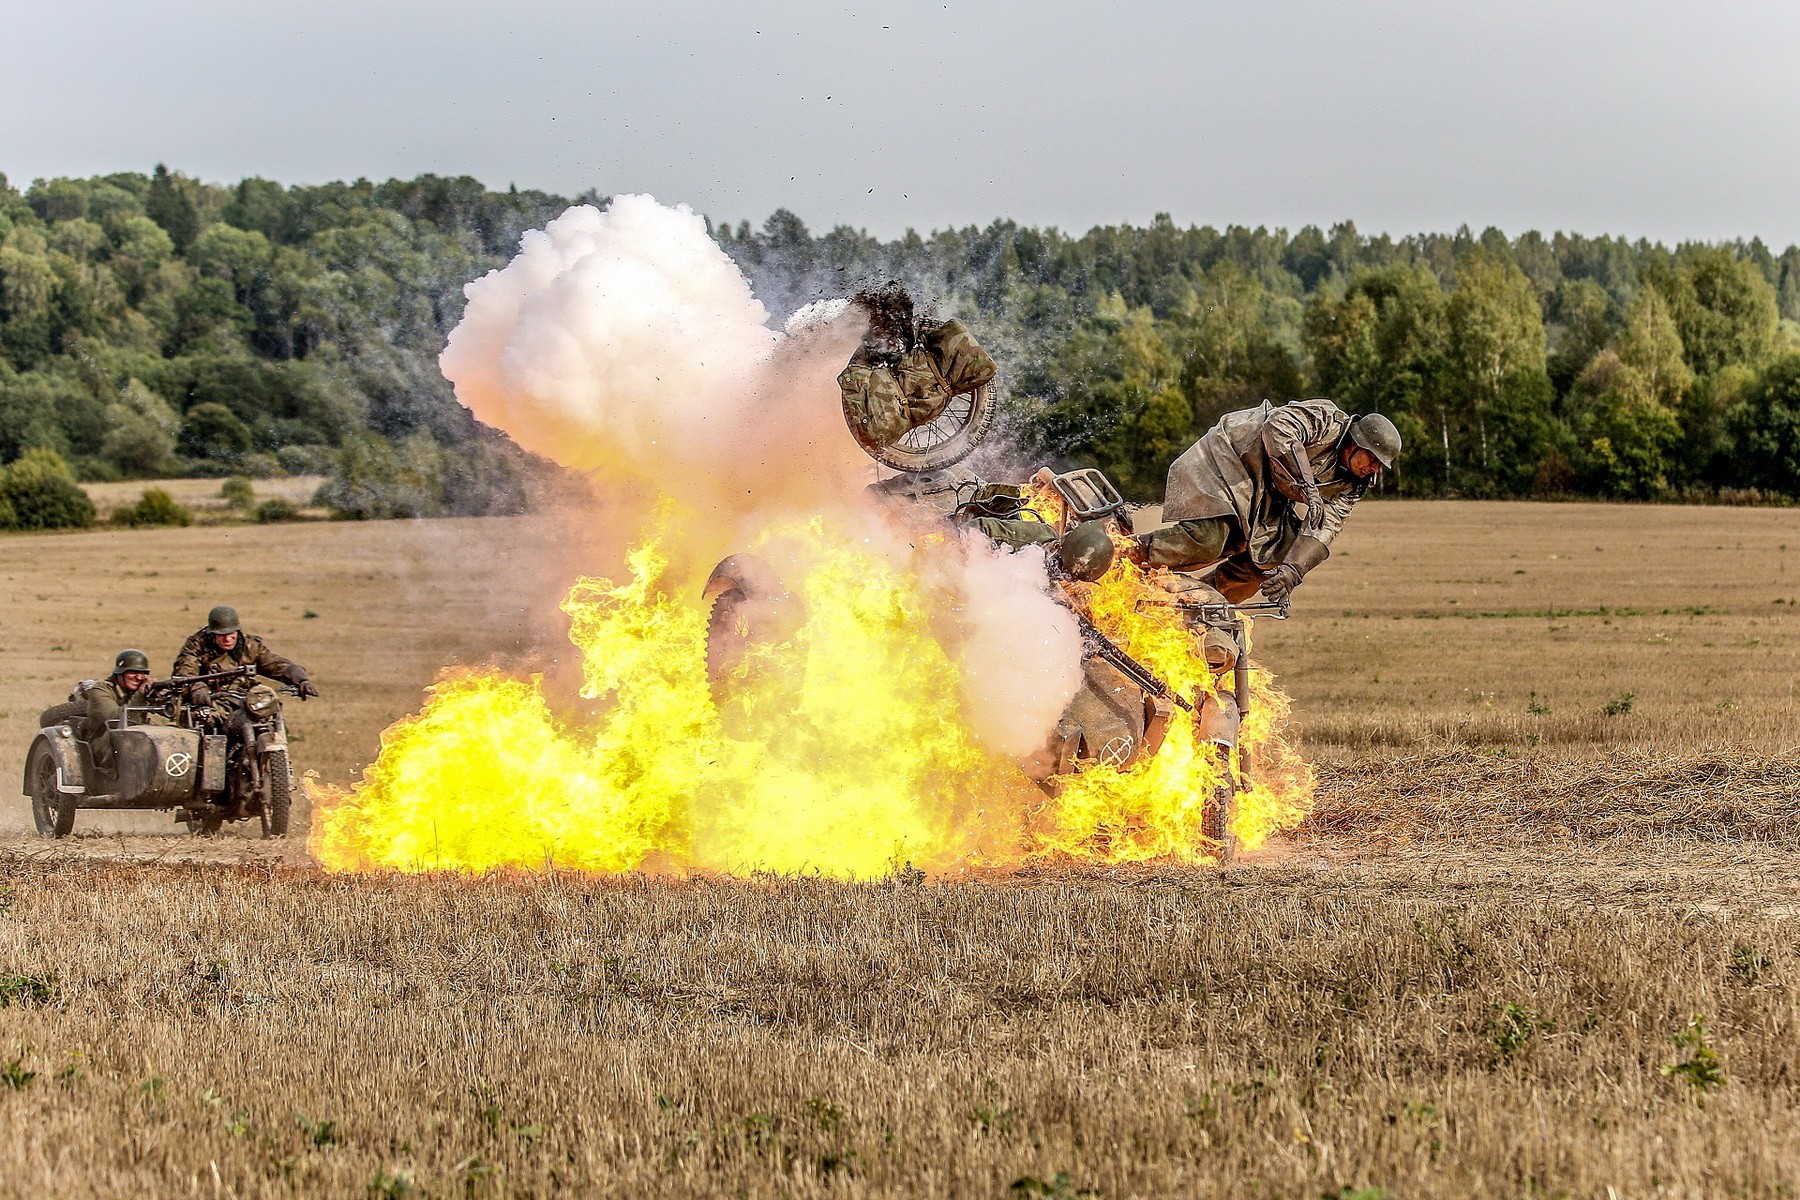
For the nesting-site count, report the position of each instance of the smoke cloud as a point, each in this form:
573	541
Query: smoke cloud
626	344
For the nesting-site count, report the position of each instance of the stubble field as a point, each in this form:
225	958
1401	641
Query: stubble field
1475	972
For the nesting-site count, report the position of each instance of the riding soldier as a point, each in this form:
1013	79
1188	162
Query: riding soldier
106	699
1265	491
224	646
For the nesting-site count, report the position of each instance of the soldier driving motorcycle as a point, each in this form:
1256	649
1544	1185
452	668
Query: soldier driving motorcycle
224	646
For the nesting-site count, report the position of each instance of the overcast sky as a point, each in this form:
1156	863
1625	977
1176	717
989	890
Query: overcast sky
1672	120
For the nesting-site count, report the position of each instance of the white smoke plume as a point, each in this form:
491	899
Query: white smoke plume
626	344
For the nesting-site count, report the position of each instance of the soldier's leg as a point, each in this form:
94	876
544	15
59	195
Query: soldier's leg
96	728
1015	533
1188	545
1237	578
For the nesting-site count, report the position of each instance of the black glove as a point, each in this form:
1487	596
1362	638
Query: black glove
1280	582
305	689
199	696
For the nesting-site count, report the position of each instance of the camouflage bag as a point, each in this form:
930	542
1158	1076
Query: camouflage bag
960	359
924	387
873	403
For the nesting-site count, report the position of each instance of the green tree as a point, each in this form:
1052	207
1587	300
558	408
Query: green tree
141	442
1766	429
1498	371
38	492
28	287
1123	409
1626	435
212	431
170	203
1723	307
1225	333
1581	327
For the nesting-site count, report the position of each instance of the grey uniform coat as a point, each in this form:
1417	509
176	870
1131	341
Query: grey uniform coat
1235	471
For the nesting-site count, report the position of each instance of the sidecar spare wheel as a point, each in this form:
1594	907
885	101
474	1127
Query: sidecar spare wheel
949	437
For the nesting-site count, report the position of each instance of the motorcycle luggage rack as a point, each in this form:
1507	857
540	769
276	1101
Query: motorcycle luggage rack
1089	494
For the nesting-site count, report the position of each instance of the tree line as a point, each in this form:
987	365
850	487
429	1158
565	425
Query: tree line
154	325
1530	366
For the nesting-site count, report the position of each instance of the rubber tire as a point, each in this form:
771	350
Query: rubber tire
953	449
56	714
1215	818
278	794
51	811
727	642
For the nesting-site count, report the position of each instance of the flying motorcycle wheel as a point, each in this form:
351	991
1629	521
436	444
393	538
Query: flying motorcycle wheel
52	812
948	438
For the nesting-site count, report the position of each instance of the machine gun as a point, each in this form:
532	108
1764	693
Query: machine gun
177	683
1099	644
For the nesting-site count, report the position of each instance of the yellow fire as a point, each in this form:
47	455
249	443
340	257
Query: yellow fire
848	757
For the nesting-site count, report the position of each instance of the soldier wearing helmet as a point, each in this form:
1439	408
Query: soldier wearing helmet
1265	491
224	646
106	700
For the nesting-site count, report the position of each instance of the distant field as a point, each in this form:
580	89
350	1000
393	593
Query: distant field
201	496
1472	973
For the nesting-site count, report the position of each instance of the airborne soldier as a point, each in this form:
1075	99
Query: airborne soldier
224	646
1233	495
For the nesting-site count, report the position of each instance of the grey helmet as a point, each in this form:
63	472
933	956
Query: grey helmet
223	619
1376	434
1086	551
131	660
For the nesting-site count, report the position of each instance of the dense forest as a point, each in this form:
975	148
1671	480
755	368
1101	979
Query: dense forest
153	325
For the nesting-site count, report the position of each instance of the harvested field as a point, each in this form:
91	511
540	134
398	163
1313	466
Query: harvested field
201	496
1472	973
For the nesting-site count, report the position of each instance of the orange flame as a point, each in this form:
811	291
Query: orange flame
855	761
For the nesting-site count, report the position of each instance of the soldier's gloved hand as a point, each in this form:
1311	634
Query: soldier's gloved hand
1280	583
306	689
199	696
1315	510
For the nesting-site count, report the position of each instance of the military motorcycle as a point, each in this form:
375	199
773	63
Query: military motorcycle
1122	712
169	756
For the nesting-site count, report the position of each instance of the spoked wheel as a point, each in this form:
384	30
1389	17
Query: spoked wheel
51	811
1221	806
277	794
947	438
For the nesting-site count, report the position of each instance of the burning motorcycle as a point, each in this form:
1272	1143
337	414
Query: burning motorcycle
186	761
1122	713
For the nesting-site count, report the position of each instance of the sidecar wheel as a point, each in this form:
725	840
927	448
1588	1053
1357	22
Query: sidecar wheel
51	811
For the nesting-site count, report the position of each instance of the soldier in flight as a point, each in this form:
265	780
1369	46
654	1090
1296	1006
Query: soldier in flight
224	646
1264	492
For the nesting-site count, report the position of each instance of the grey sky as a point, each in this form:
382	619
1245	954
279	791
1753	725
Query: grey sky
1666	119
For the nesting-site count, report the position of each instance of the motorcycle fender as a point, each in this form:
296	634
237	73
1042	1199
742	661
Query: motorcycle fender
272	740
213	749
1158	713
65	751
1216	722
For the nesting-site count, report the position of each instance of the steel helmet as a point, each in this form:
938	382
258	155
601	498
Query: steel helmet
1376	434
223	619
131	660
1086	551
